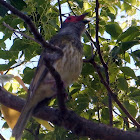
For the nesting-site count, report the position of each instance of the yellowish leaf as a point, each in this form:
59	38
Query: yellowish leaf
15	86
10	115
12	138
21	83
45	124
7	85
86	5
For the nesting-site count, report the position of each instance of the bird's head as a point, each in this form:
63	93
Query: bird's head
77	19
75	23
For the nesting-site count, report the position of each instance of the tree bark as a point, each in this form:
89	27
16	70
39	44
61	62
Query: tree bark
70	120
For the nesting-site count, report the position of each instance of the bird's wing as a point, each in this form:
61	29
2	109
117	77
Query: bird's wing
42	70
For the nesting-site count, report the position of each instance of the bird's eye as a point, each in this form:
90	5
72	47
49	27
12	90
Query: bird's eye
69	18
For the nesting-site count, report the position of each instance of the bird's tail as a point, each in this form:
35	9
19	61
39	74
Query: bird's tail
21	123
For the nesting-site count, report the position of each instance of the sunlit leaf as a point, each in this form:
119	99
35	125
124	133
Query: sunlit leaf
112	9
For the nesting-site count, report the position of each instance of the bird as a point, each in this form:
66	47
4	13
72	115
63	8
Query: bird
69	66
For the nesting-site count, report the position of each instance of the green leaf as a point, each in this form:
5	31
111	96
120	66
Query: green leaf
87	51
19	44
8	54
3	10
4	67
2	45
19	4
127	57
82	102
136	57
86	5
122	84
135	93
136	54
105	115
129	34
15	22
131	107
124	46
112	10
138	81
125	6
113	29
28	75
87	69
80	2
29	48
128	71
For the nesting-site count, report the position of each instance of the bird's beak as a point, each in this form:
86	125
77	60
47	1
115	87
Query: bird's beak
81	17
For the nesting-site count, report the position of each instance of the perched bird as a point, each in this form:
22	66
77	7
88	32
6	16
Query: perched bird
69	67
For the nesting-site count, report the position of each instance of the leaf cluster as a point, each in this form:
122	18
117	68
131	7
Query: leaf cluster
88	96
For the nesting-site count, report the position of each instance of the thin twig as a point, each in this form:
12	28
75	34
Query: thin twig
87	33
60	13
70	7
26	36
1	137
103	63
122	117
37	132
14	67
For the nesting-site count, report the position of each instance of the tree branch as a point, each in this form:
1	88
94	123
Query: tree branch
106	69
32	28
40	39
103	63
1	137
60	13
26	36
114	96
61	92
70	121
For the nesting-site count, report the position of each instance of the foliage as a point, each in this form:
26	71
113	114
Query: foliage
88	96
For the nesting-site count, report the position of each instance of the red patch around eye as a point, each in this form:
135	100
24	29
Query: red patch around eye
74	18
71	19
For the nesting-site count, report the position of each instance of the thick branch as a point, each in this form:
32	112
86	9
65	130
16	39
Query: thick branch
70	121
